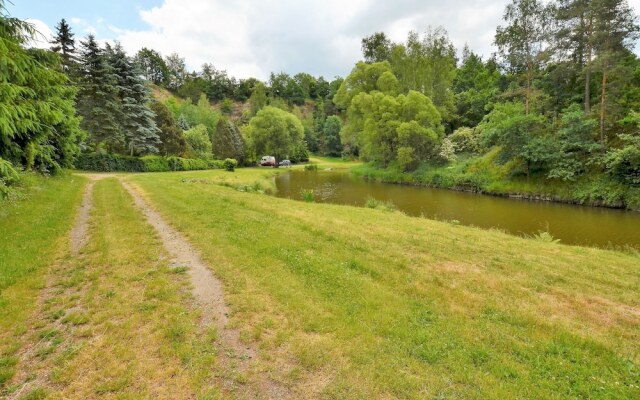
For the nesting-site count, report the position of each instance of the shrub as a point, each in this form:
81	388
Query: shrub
308	196
230	164
155	163
624	164
103	162
311	167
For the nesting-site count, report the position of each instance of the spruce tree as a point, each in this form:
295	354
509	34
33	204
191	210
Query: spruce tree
98	103
64	44
183	123
137	123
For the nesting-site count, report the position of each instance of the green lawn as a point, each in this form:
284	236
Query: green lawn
357	303
33	232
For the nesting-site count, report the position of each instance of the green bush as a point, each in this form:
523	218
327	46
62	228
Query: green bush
103	162
311	167
155	163
230	164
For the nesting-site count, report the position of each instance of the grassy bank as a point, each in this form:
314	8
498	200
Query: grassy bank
404	307
33	229
483	175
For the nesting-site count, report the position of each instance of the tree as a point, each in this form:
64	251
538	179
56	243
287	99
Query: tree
575	144
365	78
137	120
65	45
331	136
475	88
615	27
427	65
376	48
510	127
38	126
258	98
177	71
152	66
98	98
172	141
198	142
406	129
228	141
522	42
274	132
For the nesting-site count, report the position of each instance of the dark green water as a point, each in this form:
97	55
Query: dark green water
569	223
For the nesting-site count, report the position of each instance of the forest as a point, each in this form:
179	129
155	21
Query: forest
557	103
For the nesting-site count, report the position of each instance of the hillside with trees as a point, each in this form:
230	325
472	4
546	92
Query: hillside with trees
555	106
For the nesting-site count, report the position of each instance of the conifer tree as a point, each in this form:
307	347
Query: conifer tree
98	103
64	44
183	123
137	123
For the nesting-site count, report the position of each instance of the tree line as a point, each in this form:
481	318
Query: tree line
559	98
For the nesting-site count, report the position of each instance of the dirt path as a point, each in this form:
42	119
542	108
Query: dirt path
208	292
78	238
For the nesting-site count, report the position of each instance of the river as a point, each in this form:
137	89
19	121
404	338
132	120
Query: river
571	224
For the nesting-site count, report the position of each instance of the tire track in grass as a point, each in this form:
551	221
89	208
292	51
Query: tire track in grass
209	294
78	238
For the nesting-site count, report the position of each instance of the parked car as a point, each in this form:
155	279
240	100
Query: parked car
285	163
268	161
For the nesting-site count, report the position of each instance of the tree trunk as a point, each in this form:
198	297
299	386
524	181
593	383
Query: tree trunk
528	91
603	99
587	71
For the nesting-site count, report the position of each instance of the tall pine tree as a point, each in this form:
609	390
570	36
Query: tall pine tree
64	44
98	103
137	123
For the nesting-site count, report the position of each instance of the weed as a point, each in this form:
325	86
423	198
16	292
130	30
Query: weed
308	195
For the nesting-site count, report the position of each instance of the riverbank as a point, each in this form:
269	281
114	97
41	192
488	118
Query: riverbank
482	175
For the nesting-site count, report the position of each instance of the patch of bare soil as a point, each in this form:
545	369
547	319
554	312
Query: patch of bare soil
208	292
79	231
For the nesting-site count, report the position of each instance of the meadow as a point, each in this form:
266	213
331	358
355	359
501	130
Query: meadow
340	302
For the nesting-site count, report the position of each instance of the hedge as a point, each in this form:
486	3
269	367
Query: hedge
103	162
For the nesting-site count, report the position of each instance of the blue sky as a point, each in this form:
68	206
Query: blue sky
256	37
124	14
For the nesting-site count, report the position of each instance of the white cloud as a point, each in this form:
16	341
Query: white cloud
43	35
83	26
254	38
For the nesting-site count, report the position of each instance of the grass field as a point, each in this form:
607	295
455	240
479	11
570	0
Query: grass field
32	233
341	302
358	303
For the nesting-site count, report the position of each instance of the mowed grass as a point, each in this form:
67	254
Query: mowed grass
117	321
33	232
358	303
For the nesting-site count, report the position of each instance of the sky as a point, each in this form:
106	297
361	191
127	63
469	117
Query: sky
255	37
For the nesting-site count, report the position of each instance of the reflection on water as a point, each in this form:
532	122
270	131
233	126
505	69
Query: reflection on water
569	223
